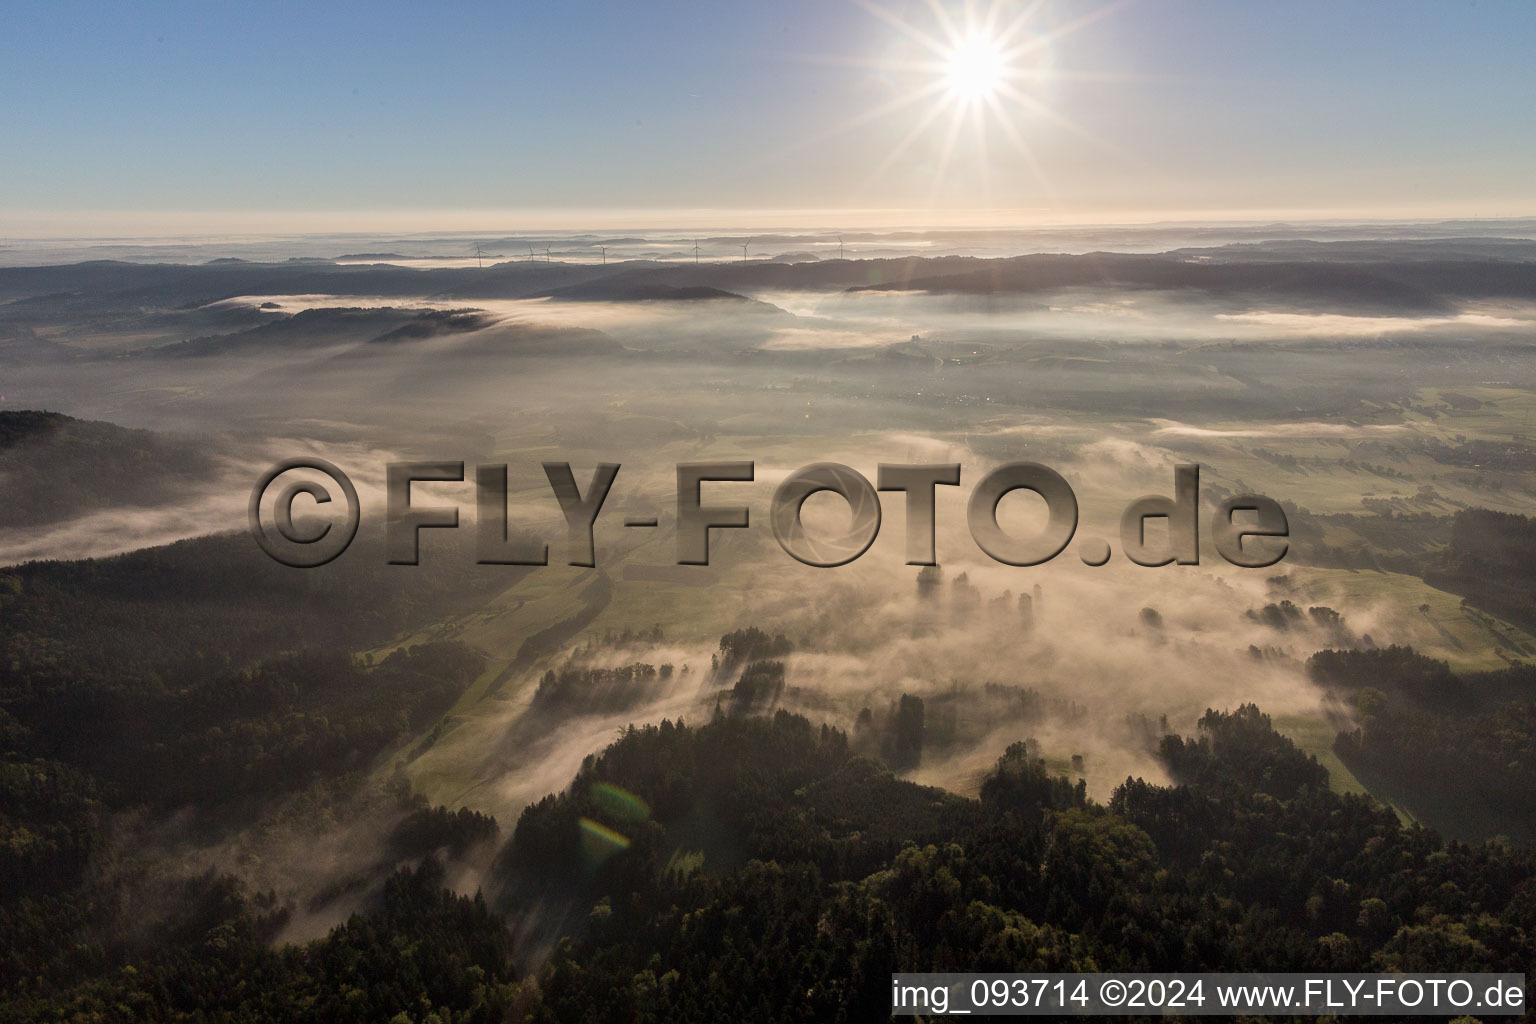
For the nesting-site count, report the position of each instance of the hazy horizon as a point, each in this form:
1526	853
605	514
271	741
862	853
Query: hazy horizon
163	225
719	241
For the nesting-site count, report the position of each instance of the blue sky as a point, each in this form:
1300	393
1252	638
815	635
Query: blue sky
374	114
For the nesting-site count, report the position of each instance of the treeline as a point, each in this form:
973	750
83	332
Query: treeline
1462	742
1487	557
1491	561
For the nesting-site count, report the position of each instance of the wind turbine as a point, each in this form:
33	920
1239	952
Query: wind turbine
744	248
605	254
546	254
530	252
695	252
839	246
480	256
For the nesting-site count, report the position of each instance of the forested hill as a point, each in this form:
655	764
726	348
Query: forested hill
844	874
190	690
55	467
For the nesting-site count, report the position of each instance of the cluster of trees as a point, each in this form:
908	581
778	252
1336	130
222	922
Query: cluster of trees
626	637
1286	615
748	645
432	830
758	688
579	688
1503	456
951	720
904	742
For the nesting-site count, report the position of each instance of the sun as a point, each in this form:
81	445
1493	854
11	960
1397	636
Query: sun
965	75
976	70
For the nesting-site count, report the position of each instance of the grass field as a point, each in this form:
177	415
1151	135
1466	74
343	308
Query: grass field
1314	734
1394	605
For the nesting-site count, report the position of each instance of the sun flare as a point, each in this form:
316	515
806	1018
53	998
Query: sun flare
975	69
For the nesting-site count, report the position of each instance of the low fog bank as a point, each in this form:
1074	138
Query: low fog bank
1087	664
1307	376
